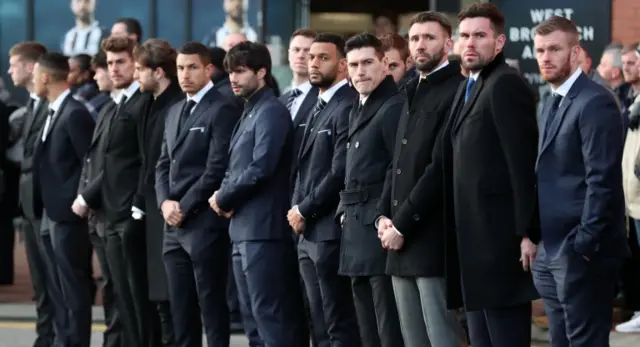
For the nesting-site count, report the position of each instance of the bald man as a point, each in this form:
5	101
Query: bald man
232	40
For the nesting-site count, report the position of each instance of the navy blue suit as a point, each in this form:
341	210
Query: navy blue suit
190	169
256	188
57	167
582	214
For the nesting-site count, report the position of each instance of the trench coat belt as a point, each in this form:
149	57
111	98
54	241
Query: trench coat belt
362	194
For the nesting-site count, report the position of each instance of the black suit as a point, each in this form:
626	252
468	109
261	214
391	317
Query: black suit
191	167
65	240
369	150
489	153
319	180
150	134
33	123
112	193
93	163
256	187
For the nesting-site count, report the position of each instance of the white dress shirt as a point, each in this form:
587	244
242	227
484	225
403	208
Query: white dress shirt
304	88
55	106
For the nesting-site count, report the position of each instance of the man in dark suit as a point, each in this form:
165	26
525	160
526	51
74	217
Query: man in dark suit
319	179
156	65
411	203
582	211
372	127
255	195
113	190
22	59
191	167
489	149
64	141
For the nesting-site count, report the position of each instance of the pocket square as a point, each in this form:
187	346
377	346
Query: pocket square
328	131
200	129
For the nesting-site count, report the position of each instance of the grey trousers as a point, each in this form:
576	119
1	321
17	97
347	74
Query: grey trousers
424	318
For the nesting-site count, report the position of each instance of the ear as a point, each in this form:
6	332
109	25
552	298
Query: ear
158	73
262	73
209	69
385	64
500	41
448	46
342	65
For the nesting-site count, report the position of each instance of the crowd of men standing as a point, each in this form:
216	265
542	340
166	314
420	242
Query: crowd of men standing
362	207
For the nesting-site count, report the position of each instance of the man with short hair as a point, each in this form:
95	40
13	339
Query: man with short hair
579	182
86	35
22	60
373	121
235	23
489	156
412	226
397	53
58	158
255	195
103	81
113	190
127	27
155	62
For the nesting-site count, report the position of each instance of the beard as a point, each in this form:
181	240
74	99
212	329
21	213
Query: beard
325	80
431	63
561	75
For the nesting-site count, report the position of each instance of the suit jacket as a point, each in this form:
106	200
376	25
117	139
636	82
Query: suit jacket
256	186
193	161
580	175
58	160
32	127
413	198
299	125
223	85
321	167
372	130
113	191
490	149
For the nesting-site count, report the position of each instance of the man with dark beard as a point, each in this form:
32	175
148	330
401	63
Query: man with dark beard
372	128
490	148
414	231
255	195
582	210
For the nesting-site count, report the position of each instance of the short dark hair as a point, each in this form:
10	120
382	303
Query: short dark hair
254	56
308	33
196	48
391	16
217	55
336	40
84	61
397	42
133	26
432	16
557	23
157	53
117	44
30	51
99	60
365	40
485	10
56	64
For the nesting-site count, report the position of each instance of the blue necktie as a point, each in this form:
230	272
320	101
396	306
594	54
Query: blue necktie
467	93
551	114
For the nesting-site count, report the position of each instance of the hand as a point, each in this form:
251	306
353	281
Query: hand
392	239
527	253
227	215
214	205
171	212
342	220
295	220
79	209
383	224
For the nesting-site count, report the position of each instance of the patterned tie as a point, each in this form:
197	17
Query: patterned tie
292	98
320	105
467	93
555	103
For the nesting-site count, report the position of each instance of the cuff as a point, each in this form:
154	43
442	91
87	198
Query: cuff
375	224
295	208
81	201
584	244
137	213
397	232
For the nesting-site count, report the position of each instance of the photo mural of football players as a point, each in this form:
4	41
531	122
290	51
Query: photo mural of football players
86	34
235	20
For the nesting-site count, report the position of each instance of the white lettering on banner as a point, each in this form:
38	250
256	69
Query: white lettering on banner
539	15
525	34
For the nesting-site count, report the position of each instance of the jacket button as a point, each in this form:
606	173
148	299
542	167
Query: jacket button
357	144
395	202
404	141
348	145
88	160
416	217
398	171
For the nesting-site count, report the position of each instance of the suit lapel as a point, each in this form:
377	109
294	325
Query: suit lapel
103	119
369	109
199	110
307	105
57	116
36	113
466	107
172	124
311	134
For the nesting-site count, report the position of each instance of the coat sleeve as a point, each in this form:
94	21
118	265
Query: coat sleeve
162	171
391	118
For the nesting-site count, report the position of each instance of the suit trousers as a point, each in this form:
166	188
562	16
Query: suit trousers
65	246
126	257
196	261
330	300
377	312
268	291
578	296
7	246
500	327
112	336
38	274
424	318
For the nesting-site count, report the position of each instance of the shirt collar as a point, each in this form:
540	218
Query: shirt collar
564	88
34	96
328	94
115	95
55	106
474	76
304	87
440	67
199	95
129	91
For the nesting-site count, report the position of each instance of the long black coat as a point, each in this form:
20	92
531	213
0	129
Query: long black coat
413	199
370	141
489	153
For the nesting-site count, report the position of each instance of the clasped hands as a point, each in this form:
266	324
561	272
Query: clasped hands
296	221
214	205
172	213
390	238
79	209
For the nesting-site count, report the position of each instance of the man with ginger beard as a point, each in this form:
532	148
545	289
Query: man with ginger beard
579	181
489	155
112	192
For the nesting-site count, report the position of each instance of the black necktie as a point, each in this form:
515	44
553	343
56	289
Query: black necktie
48	124
123	100
292	98
31	106
553	109
184	114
